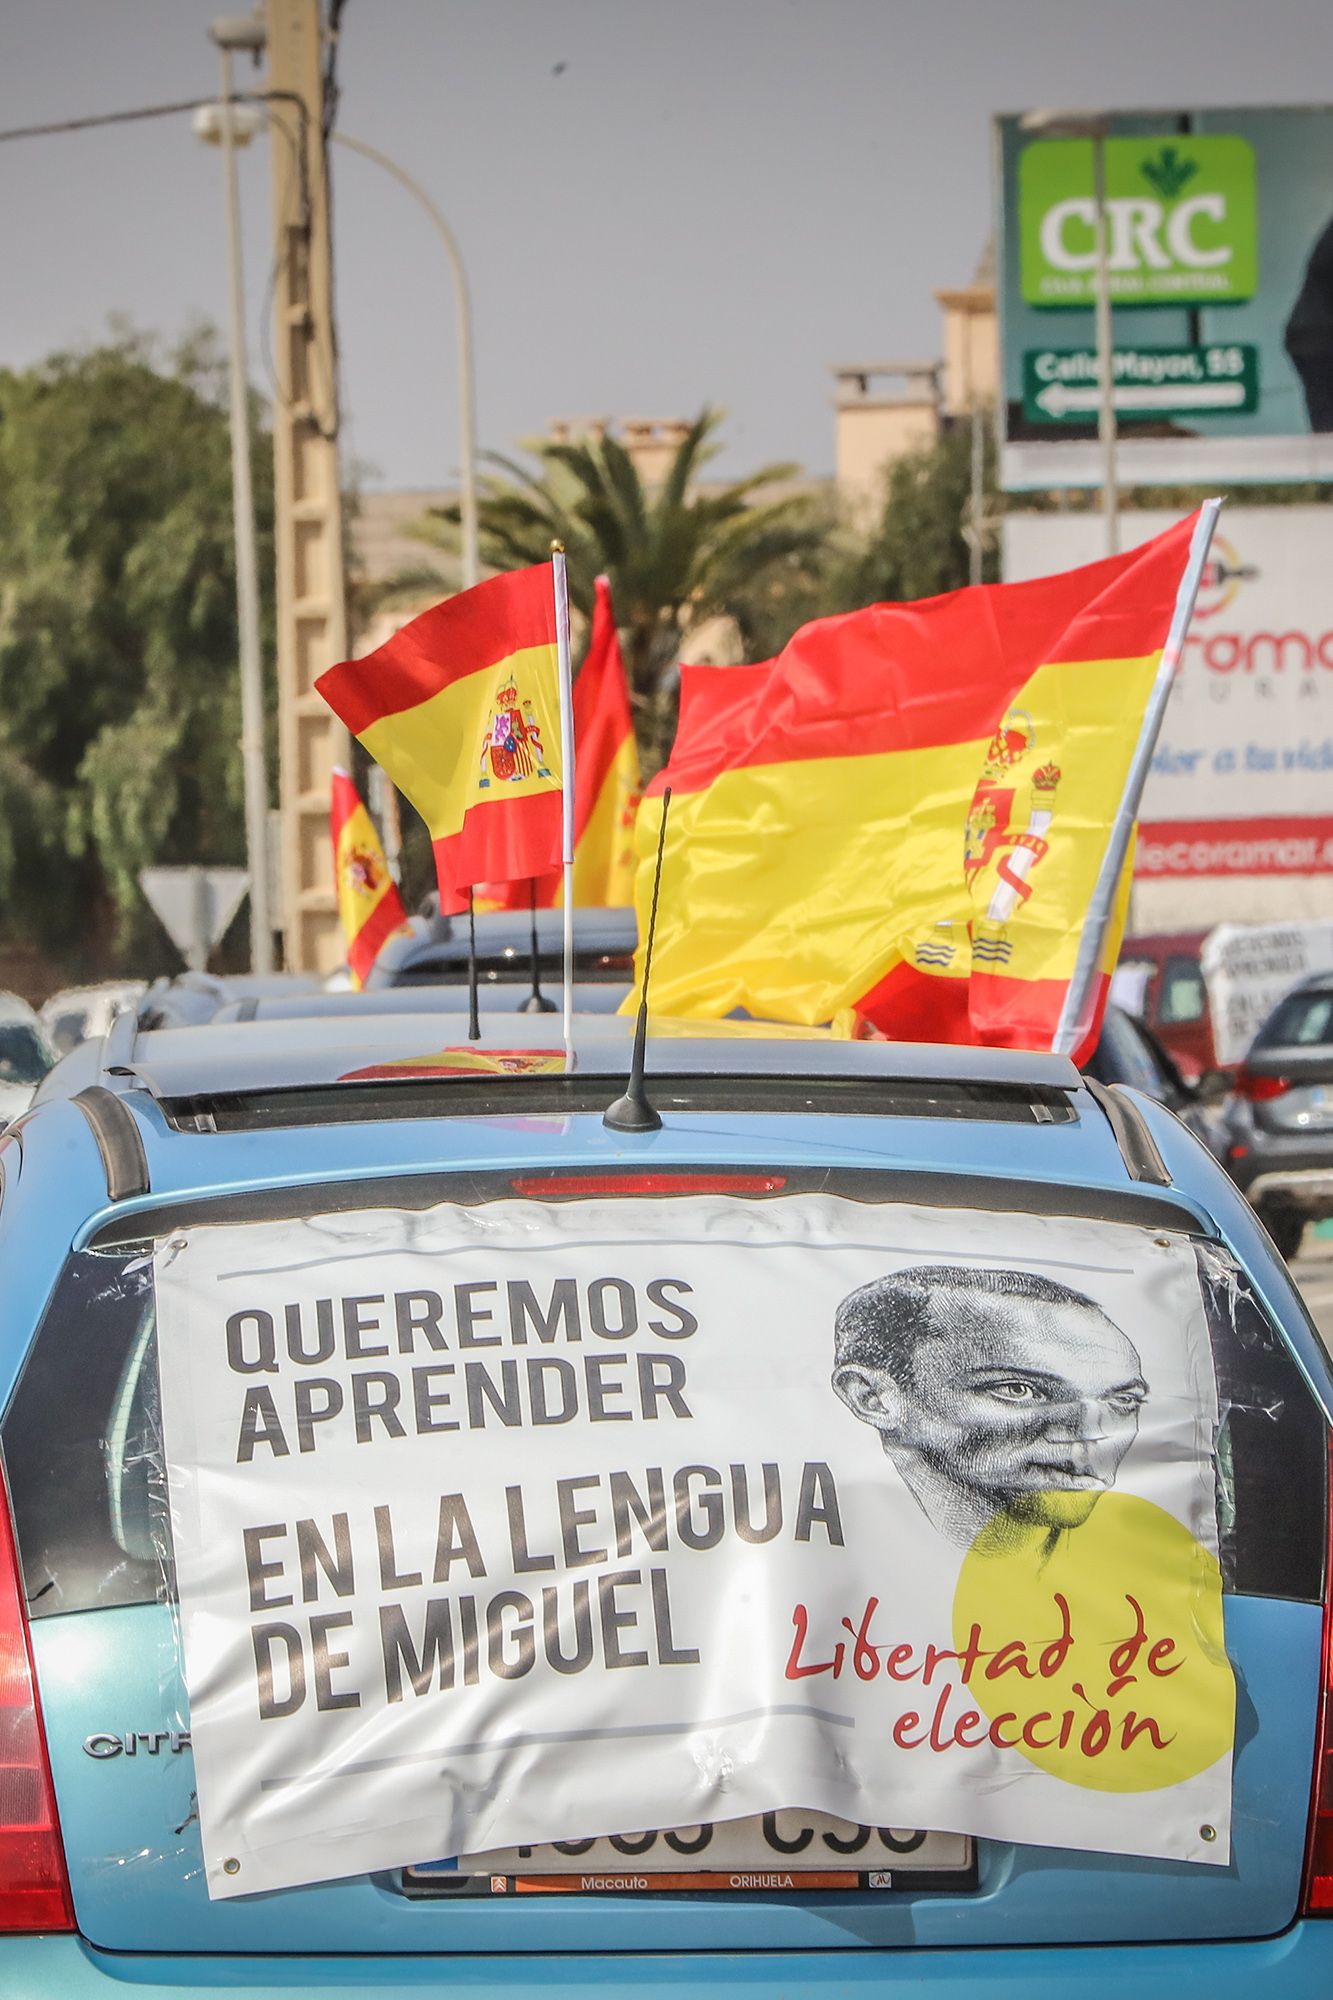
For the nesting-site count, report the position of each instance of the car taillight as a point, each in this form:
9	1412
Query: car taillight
543	1186
1259	1088
1318	1900
34	1882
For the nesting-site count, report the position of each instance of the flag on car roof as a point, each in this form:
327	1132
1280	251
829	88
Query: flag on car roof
461	709
905	813
369	905
606	782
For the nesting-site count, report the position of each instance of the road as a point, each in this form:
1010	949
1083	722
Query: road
1313	1272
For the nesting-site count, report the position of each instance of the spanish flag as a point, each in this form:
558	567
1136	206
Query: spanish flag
606	780
461	709
905	812
368	902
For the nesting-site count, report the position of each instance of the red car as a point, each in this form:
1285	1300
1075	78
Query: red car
1173	999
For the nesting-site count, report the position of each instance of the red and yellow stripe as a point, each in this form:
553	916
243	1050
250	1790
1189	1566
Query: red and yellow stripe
905	813
461	709
369	905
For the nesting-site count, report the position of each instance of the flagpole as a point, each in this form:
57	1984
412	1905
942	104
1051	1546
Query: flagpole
1073	1023
561	585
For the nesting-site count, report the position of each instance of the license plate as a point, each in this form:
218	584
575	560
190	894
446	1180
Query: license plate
802	1851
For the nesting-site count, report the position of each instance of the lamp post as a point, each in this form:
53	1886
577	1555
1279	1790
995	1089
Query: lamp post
1094	125
230	125
467	395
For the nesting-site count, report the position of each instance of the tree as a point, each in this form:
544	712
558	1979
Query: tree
918	548
119	695
676	553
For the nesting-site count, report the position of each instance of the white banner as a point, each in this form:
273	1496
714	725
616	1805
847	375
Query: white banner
1248	967
531	1522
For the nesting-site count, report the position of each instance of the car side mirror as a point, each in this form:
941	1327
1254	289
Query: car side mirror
1213	1086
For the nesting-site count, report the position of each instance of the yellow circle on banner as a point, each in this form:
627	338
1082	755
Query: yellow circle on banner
1099	1648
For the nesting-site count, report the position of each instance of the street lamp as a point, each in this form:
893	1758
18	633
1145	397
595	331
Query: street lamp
467	394
231	125
1094	125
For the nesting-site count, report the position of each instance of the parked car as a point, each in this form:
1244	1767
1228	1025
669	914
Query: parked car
25	1055
1161	980
102	1878
1129	1052
430	950
188	999
1280	1136
441	1002
77	1012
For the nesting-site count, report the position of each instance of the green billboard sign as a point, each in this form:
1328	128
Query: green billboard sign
1220	259
1181	220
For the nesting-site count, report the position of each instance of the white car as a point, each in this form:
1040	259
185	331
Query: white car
81	1013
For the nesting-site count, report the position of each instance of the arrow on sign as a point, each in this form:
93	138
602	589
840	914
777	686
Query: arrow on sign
1061	401
194	906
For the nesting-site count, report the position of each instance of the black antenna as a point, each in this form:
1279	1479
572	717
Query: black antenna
633	1112
536	1002
473	1019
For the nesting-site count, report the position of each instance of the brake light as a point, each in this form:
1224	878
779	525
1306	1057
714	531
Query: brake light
1259	1088
540	1186
34	1881
1318	1899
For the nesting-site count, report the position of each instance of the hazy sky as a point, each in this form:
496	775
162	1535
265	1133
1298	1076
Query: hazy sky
659	204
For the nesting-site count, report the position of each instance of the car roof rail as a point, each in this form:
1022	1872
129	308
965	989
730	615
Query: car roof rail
1138	1148
119	1141
118	1043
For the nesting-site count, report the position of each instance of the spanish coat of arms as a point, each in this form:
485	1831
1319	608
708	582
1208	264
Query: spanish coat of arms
512	747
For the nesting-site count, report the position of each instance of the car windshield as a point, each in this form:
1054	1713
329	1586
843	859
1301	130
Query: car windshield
24	1056
1302	1020
1183	997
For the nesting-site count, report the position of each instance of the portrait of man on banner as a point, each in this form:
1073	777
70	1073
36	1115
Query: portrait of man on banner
1005	1400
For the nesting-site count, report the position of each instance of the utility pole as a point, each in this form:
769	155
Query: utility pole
311	613
232	126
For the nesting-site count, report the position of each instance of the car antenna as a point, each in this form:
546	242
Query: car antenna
633	1112
473	1019
536	1002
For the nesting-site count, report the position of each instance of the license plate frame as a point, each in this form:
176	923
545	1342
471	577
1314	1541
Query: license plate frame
791	1853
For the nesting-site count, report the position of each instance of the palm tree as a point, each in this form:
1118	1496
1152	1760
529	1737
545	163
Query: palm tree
676	553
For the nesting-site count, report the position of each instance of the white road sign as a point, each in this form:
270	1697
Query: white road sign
194	906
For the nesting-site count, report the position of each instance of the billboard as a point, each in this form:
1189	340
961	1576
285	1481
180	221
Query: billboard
1237	820
1219	233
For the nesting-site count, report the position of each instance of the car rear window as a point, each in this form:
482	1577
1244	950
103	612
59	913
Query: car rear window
1302	1020
1183	996
594	968
24	1056
83	1450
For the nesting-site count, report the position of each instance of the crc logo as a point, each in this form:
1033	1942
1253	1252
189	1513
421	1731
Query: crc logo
1142	234
1180	220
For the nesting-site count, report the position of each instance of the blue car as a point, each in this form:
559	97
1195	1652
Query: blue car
102	1874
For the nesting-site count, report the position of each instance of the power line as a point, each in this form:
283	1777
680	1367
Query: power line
105	118
298	143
